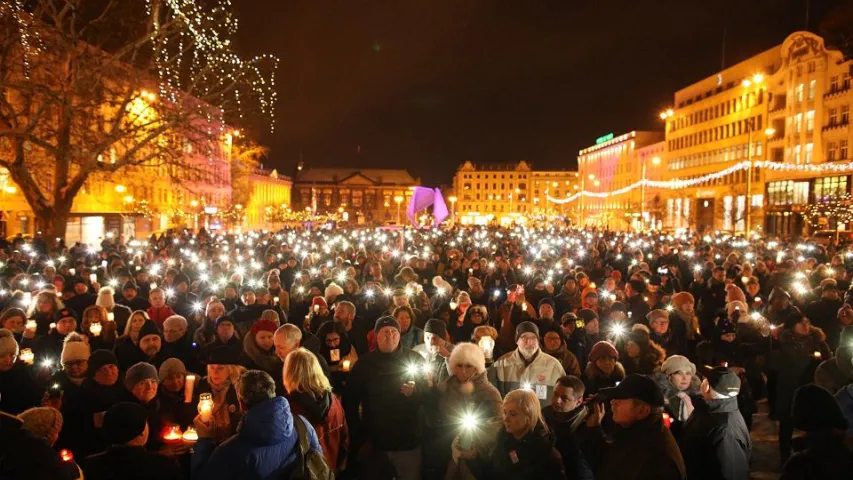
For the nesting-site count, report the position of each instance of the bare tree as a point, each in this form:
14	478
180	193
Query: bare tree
94	88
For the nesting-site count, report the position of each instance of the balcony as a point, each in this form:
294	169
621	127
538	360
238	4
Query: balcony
837	92
836	126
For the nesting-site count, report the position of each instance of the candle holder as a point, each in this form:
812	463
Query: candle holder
346	365
96	328
27	356
190	436
111	316
189	386
205	406
32	325
173	435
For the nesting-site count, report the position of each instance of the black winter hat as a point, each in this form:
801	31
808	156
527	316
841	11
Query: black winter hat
65	313
386	321
815	409
181	278
793	318
634	386
125	421
587	315
546	301
148	328
526	327
224	319
638	286
130	285
98	359
436	327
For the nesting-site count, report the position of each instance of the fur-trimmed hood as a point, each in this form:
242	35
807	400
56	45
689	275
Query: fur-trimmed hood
592	371
816	335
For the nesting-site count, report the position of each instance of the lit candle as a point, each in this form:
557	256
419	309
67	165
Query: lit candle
189	386
346	365
173	434
205	406
95	328
275	300
817	354
487	343
453	305
111	316
190	436
53	326
27	356
93	277
32	325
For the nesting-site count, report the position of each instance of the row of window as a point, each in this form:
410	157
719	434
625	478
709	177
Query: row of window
512	187
790	192
471	207
721	132
728	107
485	176
727	154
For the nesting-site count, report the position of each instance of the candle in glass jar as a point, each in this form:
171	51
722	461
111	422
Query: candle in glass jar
173	434
111	316
52	326
205	406
346	365
96	328
93	277
27	356
190	436
189	385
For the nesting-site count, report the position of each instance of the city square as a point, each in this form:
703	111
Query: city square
415	241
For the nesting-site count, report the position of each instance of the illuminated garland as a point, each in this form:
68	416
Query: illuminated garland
141	208
283	214
681	184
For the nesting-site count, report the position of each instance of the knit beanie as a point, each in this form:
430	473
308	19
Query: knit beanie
139	372
171	366
74	347
436	327
681	298
546	301
793	318
264	325
100	358
816	410
603	349
224	319
386	321
106	298
319	301
678	363
148	328
125	421
639	334
43	423
526	327
8	345
333	290
64	313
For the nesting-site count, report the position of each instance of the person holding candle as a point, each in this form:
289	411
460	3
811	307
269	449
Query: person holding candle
218	383
142	382
206	333
18	389
527	365
259	346
120	313
64	391
337	350
128	432
43	309
81	297
172	394
49	347
94	320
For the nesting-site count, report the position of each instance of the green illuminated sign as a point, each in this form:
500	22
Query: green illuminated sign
603	139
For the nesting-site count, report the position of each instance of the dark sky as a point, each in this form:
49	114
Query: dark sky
427	84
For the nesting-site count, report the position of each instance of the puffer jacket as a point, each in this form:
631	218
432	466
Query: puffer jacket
511	372
836	372
567	359
326	414
265	445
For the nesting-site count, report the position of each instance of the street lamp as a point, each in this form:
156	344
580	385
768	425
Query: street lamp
398	200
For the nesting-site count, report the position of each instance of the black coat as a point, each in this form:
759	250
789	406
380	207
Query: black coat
130	463
97	399
715	442
823	314
532	457
19	390
24	457
79	303
819	456
78	426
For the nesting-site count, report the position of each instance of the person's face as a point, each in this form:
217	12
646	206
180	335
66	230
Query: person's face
230	293
215	310
157	299
66	326
570	286
107	375
464	371
686	308
404	320
150	345
681	380
44	305
660	325
249	298
136	322
476	318
528	343
628	412
182	287
514	420
803	327
719	275
632	349
343	315
264	339
217	374
590	301
545	311
568	328
387	339
846	317
831	294
282	348
145	391
400	300
15	324
333	340
552	341
173	333
225	331
592	328
80	288
7	361
606	364
129	293
433	341
728	337
174	382
565	399
76	368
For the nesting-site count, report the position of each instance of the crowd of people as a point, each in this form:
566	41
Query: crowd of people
465	353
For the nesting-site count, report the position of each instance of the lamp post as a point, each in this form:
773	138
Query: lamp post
398	200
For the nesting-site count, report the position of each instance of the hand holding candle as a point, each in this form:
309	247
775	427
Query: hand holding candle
27	356
205	406
96	328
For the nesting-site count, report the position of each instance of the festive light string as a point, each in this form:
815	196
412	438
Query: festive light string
680	184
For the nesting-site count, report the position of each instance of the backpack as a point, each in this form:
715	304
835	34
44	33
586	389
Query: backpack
310	464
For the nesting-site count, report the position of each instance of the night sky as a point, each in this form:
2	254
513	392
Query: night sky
427	84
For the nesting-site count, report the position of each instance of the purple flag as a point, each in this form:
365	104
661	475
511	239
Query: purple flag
439	208
421	198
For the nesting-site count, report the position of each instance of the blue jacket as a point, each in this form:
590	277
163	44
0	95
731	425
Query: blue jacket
265	446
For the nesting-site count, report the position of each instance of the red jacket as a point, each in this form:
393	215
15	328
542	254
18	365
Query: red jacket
159	315
332	432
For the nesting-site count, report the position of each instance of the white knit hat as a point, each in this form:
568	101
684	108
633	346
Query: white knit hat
333	290
677	363
175	321
74	348
106	298
7	343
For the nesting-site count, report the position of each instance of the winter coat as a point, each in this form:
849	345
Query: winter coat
19	389
183	304
673	402
795	364
234	344
184	350
335	357
130	463
127	352
388	419
23	456
327	416
844	397
823	314
836	372
159	315
47	347
567	360
265	446
715	441
511	372
454	399
98	398
413	337
78	426
821	456
563	427
532	457
594	379
259	359
121	315
645	450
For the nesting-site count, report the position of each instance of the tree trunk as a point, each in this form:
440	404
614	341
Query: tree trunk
53	223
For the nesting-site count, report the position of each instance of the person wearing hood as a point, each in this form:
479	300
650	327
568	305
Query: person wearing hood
82	297
130	297
226	337
178	343
142	383
836	372
310	395
527	366
554	344
715	441
267	443
48	347
13	319
436	349
219	382
338	352
822	452
127	432
121	313
19	390
801	348
383	401
603	369
102	389
569	299
524	446
679	384
259	347
564	417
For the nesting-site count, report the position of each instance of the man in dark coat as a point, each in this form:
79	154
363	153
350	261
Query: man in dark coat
642	446
24	456
715	441
82	298
823	313
638	308
127	432
130	297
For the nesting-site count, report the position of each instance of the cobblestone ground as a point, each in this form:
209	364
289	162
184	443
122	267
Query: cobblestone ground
765	450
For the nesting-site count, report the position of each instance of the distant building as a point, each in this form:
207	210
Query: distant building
266	190
366	195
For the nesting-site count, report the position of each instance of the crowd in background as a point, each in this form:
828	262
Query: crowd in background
469	353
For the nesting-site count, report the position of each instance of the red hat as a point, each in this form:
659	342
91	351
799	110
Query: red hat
603	349
318	300
264	325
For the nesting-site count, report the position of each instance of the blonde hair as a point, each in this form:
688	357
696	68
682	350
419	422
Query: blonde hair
50	296
302	373
529	406
127	326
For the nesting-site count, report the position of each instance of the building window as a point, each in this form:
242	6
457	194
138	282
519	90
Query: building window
830	186
357	198
833	84
812	66
845	81
812	88
842	150
831	151
809	152
810	121
798	93
798	123
845	114
798	158
833	116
